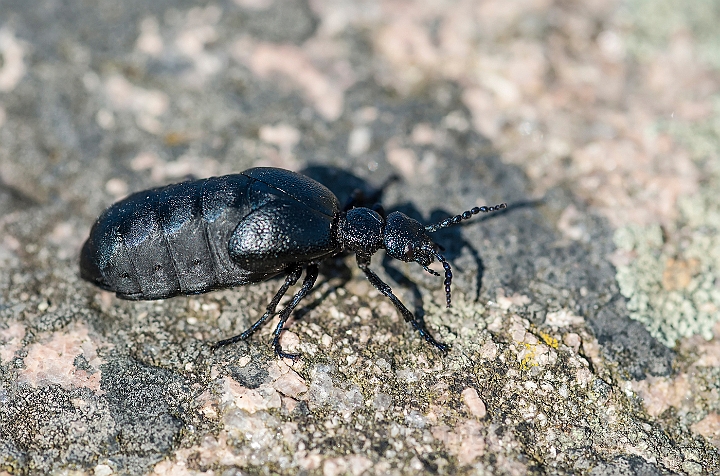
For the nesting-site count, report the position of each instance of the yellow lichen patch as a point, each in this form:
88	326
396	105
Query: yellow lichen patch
536	354
527	357
531	351
549	340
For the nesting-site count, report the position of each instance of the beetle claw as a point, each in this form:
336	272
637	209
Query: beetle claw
286	355
431	271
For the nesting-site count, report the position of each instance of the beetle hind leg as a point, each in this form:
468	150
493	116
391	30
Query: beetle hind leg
311	275
290	280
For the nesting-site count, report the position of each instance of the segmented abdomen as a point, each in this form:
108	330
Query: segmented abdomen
169	241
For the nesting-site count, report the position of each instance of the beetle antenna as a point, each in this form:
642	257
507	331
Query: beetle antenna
463	216
448	276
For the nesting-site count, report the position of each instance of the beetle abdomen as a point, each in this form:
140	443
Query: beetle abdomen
169	241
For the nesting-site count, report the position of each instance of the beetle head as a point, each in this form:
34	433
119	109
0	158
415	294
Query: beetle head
405	239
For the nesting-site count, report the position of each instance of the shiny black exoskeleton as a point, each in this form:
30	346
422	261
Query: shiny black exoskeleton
199	236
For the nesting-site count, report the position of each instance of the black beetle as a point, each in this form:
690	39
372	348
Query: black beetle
199	236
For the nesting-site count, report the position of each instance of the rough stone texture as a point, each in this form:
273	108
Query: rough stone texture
585	317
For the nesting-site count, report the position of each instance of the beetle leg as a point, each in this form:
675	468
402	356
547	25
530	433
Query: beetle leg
381	286
359	199
291	278
311	275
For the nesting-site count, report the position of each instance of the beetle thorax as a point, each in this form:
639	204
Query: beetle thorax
361	231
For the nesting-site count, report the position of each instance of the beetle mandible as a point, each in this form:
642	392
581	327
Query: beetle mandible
198	236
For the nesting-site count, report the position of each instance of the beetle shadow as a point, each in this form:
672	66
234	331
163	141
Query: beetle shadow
451	239
347	186
12	198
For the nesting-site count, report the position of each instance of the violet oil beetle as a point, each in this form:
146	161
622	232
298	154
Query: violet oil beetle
198	236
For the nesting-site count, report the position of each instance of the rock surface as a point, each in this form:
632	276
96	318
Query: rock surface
584	323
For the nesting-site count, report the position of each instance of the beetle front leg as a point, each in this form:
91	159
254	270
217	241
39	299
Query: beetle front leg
381	286
290	280
311	275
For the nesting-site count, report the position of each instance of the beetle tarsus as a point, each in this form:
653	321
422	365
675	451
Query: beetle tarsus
419	325
286	355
